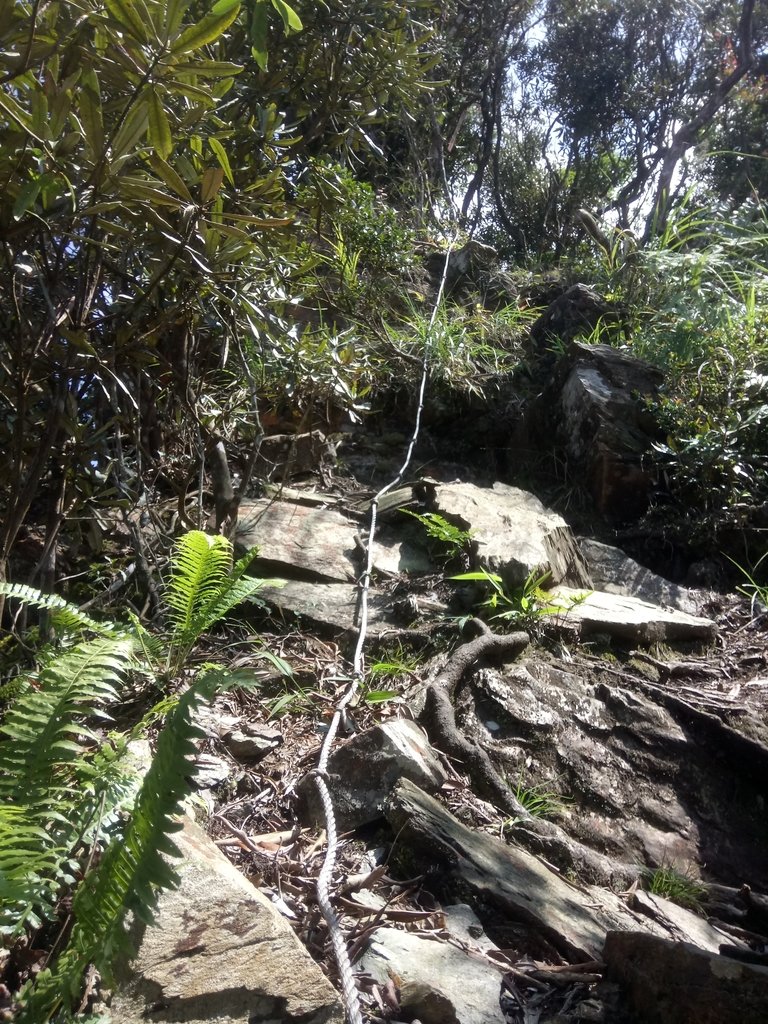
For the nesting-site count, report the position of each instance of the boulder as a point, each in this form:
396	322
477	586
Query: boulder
436	982
294	539
577	310
219	953
635	774
329	606
617	573
593	411
514	533
665	982
364	770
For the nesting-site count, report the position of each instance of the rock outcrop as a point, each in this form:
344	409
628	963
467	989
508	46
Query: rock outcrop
219	953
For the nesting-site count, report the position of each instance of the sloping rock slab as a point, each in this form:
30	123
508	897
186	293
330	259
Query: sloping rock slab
647	778
617	573
514	533
364	770
318	541
436	981
333	606
219	953
665	982
574	919
629	617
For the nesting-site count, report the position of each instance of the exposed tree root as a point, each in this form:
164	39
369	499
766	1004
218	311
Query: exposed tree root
439	719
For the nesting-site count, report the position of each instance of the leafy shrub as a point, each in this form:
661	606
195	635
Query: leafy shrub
364	224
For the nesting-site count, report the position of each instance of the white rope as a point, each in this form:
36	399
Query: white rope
320	774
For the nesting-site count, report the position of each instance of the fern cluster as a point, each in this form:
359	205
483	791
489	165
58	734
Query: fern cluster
65	787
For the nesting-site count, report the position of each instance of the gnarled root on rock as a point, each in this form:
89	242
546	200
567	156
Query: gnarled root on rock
439	719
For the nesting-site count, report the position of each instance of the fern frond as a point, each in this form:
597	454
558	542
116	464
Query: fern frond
201	564
133	867
46	726
242	565
233	593
65	617
203	587
29	865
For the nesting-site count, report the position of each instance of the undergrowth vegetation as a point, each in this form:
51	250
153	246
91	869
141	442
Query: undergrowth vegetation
80	825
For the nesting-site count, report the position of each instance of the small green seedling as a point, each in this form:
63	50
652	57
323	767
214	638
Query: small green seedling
524	603
454	540
537	801
756	592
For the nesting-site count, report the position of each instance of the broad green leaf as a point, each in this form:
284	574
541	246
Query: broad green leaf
291	20
221	155
259	28
144	190
208	68
18	114
26	198
260	222
205	31
127	16
223	6
159	129
170	176
174	15
40	116
379	696
202	97
231	232
211	183
90	114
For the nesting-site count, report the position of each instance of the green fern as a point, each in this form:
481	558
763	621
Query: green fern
204	586
47	723
66	618
64	789
133	868
47	775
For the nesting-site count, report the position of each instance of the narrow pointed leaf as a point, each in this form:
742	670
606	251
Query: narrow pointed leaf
211	183
127	16
205	31
90	114
170	176
291	20
259	28
221	156
159	128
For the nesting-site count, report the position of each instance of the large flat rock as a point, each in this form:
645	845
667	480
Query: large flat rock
665	982
515	533
619	615
220	953
332	606
291	537
436	981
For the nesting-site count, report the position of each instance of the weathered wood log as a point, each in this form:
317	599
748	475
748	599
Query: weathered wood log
572	918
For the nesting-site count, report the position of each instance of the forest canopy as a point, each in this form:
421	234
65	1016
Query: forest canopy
196	194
